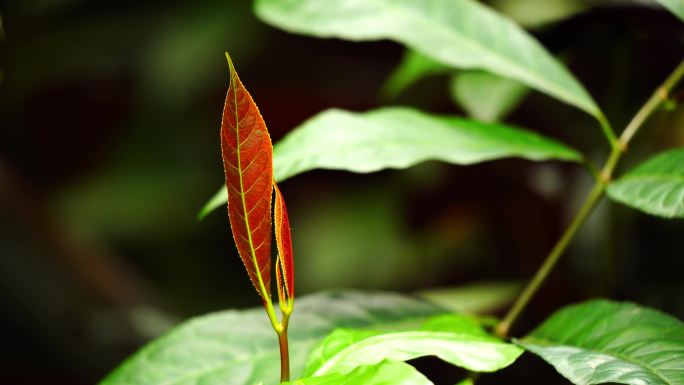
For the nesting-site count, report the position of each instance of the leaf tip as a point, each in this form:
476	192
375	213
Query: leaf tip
231	66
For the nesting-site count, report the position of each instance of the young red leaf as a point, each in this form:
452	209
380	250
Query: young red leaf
248	165
285	268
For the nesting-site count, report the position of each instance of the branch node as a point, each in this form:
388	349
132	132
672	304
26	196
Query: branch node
662	94
605	177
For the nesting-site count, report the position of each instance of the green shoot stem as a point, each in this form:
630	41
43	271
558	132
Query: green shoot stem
284	349
618	147
280	328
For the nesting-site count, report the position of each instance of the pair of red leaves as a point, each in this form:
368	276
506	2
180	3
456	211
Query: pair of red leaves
248	164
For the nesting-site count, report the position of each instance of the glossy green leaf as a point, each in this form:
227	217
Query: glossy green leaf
655	187
384	373
485	96
674	6
460	33
238	347
399	138
475	298
413	67
600	342
455	340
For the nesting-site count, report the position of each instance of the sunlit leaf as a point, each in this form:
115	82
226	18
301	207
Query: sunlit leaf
461	344
248	164
655	187
485	96
238	348
384	373
600	342
400	138
460	33
674	6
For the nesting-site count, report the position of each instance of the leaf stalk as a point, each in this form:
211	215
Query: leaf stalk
618	147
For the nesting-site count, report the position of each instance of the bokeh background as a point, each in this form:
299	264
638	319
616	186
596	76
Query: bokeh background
109	147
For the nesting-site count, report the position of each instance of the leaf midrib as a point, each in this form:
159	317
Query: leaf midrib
257	270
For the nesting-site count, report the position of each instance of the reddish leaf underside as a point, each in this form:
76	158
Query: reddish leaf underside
285	268
248	164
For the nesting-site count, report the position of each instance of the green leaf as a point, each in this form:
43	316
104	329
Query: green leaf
655	187
400	138
240	347
529	14
413	67
476	298
600	341
485	96
460	33
674	6
384	373
461	344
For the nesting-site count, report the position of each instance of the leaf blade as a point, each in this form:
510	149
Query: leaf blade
462	344
384	373
284	244
655	187
390	138
238	348
602	341
456	32
674	6
248	164
387	138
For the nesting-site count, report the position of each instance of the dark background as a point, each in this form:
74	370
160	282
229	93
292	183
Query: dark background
109	146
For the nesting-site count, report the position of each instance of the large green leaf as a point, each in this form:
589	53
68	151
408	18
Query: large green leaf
485	96
600	341
655	187
399	138
240	347
456	340
675	6
384	373
460	33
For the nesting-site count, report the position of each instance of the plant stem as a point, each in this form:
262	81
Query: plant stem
281	330
284	350
617	149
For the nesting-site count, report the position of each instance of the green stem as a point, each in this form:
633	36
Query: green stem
284	350
618	147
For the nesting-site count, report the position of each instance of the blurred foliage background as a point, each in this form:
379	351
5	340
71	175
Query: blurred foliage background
109	147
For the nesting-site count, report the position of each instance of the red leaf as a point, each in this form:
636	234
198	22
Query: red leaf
248	165
285	268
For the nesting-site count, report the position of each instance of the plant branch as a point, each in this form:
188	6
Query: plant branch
618	147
